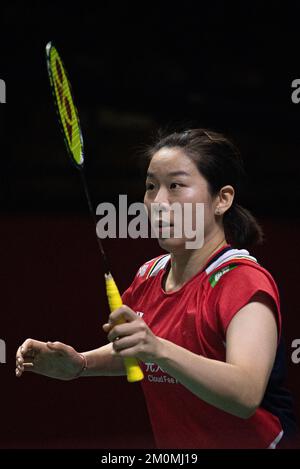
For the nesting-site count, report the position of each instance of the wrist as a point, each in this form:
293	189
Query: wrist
84	366
162	353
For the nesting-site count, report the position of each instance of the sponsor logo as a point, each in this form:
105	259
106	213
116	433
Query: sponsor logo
216	277
160	377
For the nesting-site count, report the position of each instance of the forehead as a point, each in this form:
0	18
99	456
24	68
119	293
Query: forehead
171	160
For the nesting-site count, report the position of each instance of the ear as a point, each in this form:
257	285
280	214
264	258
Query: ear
224	200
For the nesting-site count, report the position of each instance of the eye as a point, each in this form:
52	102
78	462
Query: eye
149	186
175	185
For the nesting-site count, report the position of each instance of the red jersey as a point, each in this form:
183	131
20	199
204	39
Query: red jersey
196	317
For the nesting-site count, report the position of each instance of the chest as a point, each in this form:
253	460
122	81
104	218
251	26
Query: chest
184	317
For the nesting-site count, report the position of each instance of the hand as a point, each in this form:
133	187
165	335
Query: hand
52	359
132	338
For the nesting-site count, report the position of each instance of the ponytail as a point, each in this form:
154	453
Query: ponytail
241	228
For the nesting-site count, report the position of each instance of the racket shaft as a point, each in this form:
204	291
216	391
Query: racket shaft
133	370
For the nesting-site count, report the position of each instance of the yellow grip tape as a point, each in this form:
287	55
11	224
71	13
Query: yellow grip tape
133	370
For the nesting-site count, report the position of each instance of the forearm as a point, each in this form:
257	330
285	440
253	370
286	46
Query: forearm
101	362
225	386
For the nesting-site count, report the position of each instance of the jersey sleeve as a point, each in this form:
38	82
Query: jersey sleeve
236	288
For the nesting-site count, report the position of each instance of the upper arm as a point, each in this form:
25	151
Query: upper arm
251	340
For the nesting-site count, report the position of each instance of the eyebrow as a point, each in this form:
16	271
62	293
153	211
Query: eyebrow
172	173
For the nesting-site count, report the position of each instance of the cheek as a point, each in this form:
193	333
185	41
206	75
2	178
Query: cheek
204	198
200	197
196	194
209	217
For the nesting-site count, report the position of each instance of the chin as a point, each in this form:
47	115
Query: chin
172	244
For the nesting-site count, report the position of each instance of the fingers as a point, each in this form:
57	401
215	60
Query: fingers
107	327
19	363
116	333
22	366
19	356
130	339
24	356
124	313
28	346
131	352
127	342
122	330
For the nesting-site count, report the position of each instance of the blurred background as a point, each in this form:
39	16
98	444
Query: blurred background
222	65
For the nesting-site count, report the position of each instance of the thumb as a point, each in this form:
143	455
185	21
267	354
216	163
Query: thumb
56	346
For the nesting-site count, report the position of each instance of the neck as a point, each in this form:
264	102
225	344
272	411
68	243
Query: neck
186	264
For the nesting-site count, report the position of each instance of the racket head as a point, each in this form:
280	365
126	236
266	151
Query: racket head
65	107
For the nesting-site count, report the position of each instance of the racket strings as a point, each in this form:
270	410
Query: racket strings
67	111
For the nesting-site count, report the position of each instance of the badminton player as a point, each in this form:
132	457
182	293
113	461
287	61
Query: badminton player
205	323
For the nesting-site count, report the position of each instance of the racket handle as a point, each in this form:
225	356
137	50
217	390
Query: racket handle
133	370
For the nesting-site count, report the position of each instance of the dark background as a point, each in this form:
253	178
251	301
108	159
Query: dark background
222	65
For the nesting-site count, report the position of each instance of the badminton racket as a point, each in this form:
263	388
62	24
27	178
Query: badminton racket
70	126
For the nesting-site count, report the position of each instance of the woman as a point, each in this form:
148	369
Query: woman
204	322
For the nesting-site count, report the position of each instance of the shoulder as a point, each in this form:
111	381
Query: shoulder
234	283
246	276
238	267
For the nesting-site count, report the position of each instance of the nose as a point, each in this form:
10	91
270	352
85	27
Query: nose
161	201
161	197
